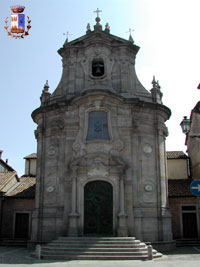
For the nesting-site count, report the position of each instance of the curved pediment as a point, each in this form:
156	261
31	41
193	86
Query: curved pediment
96	37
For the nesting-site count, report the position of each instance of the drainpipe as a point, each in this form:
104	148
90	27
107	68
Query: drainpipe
189	170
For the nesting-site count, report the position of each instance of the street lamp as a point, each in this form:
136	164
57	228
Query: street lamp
185	125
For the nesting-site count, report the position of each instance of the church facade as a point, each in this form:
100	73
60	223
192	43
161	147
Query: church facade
101	159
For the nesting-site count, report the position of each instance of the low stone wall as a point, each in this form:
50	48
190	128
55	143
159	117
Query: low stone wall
163	246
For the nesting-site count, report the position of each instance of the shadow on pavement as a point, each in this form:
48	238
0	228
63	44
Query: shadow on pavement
17	256
183	251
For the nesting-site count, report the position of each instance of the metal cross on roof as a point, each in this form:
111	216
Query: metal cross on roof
130	30
67	33
97	11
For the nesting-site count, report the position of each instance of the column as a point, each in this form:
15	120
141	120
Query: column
121	188
73	216
164	217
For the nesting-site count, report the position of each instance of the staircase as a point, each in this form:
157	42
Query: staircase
93	248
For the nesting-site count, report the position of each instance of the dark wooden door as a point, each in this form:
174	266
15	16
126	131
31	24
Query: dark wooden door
189	225
21	225
98	209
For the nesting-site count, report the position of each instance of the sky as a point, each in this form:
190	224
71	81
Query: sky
167	32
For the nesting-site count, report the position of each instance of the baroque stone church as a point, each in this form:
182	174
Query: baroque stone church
101	163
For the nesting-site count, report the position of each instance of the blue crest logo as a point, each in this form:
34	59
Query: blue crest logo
17	23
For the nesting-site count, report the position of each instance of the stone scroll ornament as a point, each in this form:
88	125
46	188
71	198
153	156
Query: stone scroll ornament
17	23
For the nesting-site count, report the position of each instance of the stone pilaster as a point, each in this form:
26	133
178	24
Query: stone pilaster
122	227
73	216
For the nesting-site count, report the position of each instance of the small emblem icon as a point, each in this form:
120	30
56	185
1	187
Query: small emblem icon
17	28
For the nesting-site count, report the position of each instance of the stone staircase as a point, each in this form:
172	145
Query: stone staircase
93	248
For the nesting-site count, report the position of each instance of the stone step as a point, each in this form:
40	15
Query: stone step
96	242
96	257
86	245
97	238
82	249
96	248
109	253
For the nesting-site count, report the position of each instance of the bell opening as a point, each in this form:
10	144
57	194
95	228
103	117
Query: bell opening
97	68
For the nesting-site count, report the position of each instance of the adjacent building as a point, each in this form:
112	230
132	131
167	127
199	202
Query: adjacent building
17	201
183	204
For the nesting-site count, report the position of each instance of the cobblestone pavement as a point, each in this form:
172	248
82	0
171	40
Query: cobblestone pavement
180	257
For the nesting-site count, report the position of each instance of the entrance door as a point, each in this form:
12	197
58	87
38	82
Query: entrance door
189	221
98	208
21	225
189	225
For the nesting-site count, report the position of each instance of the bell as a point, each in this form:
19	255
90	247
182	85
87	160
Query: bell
98	70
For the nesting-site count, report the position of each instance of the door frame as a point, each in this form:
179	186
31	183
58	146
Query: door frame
93	167
189	211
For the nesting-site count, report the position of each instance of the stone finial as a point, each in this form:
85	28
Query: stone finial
131	39
67	39
88	28
155	92
65	43
130	36
154	82
46	86
107	28
158	85
45	93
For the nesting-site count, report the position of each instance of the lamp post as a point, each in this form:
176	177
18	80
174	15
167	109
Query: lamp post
185	125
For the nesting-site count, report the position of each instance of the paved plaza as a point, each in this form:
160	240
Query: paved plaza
180	257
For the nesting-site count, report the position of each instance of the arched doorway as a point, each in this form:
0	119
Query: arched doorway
98	208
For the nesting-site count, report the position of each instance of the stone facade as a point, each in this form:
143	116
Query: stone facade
193	141
99	76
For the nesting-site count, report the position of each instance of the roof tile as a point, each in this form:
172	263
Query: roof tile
176	155
25	189
31	156
5	178
179	188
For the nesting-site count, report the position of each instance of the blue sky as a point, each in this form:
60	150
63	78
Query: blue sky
167	32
